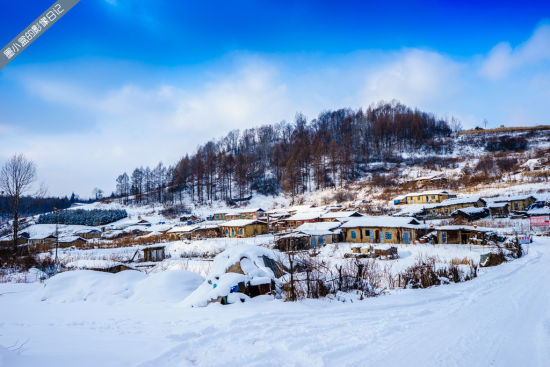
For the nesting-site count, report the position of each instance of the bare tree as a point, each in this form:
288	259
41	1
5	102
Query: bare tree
16	178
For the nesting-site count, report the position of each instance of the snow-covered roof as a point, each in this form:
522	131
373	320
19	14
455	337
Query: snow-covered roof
471	210
240	222
382	221
308	215
500	199
429	192
70	238
492	204
454	201
319	228
93	264
183	229
340	214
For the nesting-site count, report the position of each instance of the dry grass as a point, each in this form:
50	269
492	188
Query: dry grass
505	129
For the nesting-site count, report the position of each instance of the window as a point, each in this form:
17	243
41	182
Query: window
320	240
433	196
419	198
240	231
443	237
516	205
387	236
353	235
367	233
446	210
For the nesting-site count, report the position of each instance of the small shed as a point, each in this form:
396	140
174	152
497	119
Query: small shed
154	253
243	228
462	235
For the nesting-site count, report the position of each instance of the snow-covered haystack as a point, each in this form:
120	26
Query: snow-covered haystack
238	273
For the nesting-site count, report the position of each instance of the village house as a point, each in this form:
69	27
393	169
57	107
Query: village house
72	240
470	214
518	203
446	207
382	229
219	215
243	228
181	232
253	213
89	233
42	239
296	220
462	235
206	230
498	210
309	235
428	197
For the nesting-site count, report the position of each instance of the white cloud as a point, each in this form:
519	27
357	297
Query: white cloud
503	58
141	123
414	77
135	125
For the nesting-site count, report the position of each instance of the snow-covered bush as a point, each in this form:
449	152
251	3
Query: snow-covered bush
94	217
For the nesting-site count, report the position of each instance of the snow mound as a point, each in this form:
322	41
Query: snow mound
127	286
166	286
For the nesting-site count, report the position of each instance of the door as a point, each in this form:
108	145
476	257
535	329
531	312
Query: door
464	238
406	237
312	242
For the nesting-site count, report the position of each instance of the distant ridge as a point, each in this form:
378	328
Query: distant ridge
504	129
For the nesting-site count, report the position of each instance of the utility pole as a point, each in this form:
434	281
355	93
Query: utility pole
56	233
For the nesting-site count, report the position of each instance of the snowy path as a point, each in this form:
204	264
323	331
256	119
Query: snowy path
502	318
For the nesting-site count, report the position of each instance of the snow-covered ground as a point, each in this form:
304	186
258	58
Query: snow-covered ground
84	318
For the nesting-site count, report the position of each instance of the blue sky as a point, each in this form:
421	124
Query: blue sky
120	83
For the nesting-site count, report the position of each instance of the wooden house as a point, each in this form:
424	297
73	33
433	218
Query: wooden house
72	240
243	228
428	197
219	215
446	207
470	214
90	233
517	203
382	229
252	213
42	240
461	235
206	230
181	232
309	235
154	253
300	218
498	210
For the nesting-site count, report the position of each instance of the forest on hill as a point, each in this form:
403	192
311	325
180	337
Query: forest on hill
330	150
